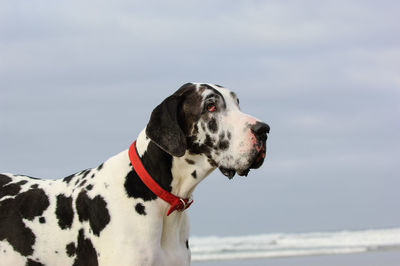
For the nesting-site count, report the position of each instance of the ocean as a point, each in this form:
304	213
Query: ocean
293	245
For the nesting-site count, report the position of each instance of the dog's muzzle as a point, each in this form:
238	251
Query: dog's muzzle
260	131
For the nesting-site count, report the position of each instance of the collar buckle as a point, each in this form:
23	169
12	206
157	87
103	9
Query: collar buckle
185	203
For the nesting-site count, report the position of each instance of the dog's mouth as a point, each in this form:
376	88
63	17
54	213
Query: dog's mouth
229	172
256	163
259	159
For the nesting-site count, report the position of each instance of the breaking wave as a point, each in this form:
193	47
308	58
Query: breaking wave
287	245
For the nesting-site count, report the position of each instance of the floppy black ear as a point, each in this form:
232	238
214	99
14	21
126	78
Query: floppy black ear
164	129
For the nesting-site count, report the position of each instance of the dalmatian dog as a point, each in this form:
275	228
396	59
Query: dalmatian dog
108	215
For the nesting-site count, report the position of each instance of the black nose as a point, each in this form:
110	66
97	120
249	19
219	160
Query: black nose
260	129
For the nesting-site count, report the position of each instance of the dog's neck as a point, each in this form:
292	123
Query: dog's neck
178	175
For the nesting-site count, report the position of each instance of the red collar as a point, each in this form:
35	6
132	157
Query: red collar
176	203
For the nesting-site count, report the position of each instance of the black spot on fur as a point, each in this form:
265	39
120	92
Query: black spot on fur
86	254
190	161
223	144
234	96
4	180
229	135
158	163
21	183
9	190
195	147
135	188
70	249
194	174
212	162
42	220
89	187
35	186
140	209
33	263
30	177
83	183
68	178
32	203
93	210
100	167
209	141
26	205
64	211
187	244
85	173
212	125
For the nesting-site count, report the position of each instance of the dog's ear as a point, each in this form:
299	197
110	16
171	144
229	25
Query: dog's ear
164	129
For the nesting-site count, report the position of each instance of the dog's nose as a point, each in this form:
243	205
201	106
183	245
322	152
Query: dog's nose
260	129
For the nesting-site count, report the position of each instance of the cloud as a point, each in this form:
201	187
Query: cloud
128	41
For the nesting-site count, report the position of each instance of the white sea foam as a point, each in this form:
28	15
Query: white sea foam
286	245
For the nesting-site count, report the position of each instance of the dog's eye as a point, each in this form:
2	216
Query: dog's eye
211	107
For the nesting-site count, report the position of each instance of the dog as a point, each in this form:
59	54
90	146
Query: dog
130	210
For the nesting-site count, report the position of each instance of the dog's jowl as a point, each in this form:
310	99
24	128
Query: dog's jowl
130	210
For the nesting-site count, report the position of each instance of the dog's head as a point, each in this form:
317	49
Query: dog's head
206	119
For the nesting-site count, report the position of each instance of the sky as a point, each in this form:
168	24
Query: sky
79	79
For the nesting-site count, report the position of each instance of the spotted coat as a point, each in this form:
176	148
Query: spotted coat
106	215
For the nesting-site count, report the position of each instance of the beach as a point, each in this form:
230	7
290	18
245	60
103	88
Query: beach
382	258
